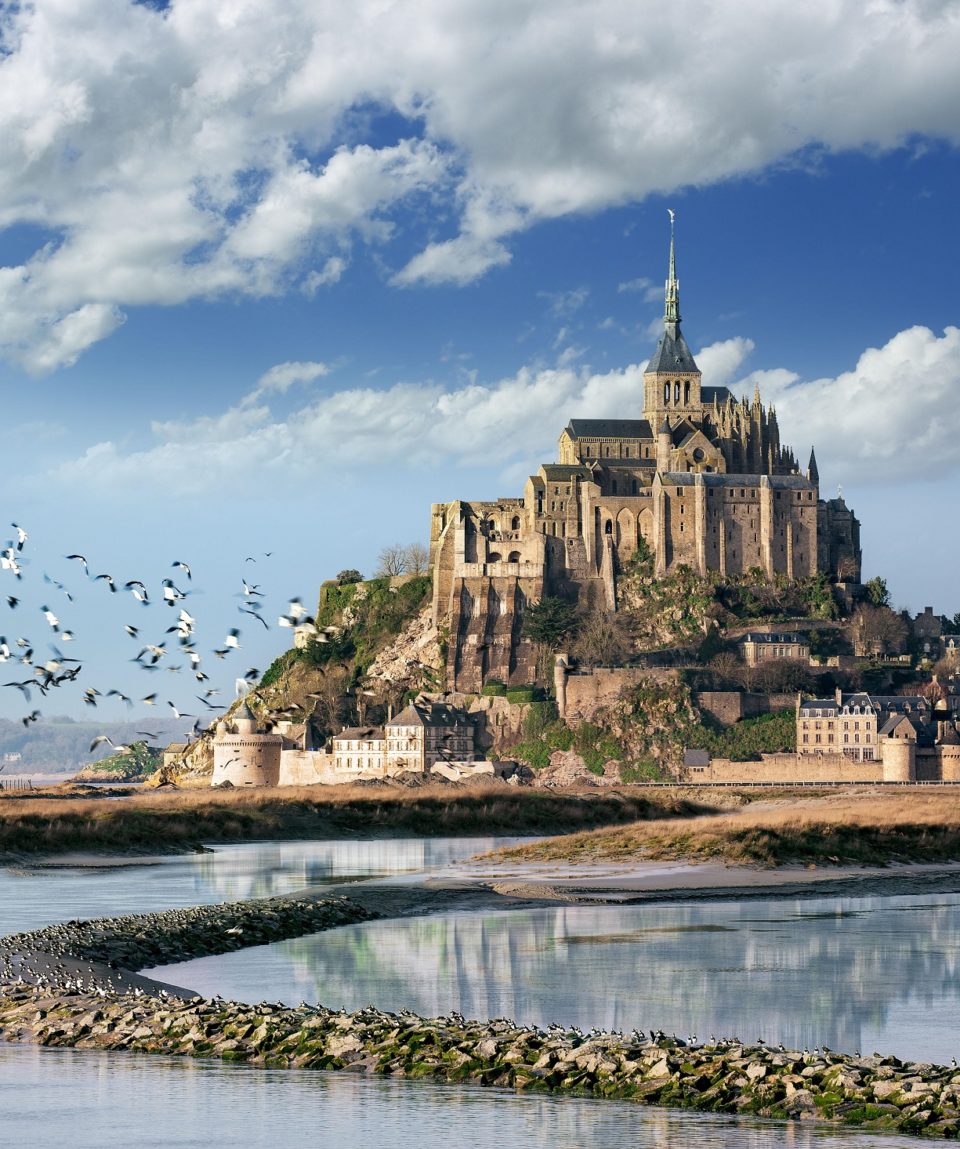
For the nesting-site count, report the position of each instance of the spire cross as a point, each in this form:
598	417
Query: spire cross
671	312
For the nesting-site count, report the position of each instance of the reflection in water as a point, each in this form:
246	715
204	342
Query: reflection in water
33	896
872	973
169	1103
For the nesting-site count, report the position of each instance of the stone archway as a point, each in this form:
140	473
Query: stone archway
626	535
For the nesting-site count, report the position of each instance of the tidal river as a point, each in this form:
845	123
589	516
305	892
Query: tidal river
852	974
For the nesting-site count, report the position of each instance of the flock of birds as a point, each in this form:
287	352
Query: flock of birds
175	649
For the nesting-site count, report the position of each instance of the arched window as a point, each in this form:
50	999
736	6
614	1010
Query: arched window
608	527
666	394
676	393
515	523
686	392
513	557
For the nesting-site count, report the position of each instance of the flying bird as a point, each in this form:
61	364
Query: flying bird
22	536
183	567
31	717
81	559
109	581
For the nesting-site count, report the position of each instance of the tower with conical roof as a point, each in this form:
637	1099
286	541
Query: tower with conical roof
671	382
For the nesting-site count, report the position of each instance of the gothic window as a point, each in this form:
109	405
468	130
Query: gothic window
676	393
515	523
666	394
686	393
513	557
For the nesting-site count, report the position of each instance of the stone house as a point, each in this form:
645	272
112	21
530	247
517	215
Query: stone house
756	648
852	724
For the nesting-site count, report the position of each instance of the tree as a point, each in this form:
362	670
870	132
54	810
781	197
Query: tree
877	592
602	638
344	578
549	620
417	559
879	630
392	560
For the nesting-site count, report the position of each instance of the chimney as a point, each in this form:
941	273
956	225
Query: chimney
838	695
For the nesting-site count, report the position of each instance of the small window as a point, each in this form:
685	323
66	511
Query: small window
608	527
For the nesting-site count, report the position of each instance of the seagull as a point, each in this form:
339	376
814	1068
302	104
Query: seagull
232	641
12	602
171	594
109	581
176	712
99	741
131	630
82	561
150	700
183	567
252	588
138	590
31	717
51	617
266	625
121	696
22	536
58	585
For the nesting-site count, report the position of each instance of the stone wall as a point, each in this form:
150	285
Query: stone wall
307	768
788	768
588	690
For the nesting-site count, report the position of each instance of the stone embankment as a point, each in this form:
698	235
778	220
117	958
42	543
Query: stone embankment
137	941
874	1092
70	985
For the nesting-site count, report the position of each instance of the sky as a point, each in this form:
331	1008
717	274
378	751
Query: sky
274	278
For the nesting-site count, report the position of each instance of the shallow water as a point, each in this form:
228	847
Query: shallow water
86	1099
812	965
853	974
34	896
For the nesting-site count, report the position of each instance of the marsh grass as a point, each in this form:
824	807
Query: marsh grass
162	821
839	830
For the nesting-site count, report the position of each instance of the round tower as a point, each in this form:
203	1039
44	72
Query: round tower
899	759
243	755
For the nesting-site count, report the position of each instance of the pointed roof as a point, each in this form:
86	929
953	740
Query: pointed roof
813	474
243	713
672	354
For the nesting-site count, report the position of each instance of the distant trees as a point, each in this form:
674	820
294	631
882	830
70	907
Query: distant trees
549	620
345	577
879	630
398	559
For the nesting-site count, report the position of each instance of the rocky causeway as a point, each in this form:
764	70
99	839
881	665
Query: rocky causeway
76	984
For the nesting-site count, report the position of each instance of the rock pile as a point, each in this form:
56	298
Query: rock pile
140	940
873	1092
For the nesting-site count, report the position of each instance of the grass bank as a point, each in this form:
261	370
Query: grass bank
159	821
838	830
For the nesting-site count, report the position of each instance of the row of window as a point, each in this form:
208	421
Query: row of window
832	738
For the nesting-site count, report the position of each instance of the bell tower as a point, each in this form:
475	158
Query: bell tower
671	382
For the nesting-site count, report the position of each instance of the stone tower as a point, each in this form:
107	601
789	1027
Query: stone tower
243	754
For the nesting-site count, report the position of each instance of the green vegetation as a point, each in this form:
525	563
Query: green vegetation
877	591
549	621
135	764
748	739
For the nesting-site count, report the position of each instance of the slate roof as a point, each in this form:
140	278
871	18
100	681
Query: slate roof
778	637
721	394
610	429
428	714
360	733
714	479
672	355
554	471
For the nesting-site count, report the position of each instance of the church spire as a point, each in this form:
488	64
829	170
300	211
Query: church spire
813	472
671	310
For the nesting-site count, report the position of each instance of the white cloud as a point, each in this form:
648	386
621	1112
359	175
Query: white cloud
893	416
223	146
279	379
897	400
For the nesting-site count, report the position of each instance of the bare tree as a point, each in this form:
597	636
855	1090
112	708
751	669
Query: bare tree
417	559
392	560
879	630
602	638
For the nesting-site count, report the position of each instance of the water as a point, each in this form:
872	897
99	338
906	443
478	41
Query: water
853	974
34	896
84	1100
879	971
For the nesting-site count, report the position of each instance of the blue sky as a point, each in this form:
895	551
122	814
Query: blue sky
276	280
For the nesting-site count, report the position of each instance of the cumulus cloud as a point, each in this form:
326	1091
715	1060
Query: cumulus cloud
226	147
279	379
897	398
898	403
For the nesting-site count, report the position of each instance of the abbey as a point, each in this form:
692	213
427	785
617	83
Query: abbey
700	476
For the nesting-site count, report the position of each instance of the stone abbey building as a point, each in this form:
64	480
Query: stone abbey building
699	475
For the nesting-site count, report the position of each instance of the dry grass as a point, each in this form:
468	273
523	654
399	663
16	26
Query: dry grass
875	829
158	820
